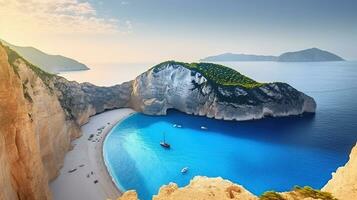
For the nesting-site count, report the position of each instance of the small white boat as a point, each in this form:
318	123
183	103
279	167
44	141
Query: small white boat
184	170
204	127
177	125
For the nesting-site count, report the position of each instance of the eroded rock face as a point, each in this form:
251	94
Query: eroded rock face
22	174
201	188
81	101
52	128
174	86
343	184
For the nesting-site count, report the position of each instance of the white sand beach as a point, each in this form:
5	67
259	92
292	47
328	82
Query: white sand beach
84	175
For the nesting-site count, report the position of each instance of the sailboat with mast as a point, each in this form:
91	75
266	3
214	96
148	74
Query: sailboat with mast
164	143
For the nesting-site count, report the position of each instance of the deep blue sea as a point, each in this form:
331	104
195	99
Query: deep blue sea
261	155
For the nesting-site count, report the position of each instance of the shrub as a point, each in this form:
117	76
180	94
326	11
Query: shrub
316	194
271	195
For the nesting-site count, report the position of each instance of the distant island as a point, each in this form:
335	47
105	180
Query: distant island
48	63
239	57
307	55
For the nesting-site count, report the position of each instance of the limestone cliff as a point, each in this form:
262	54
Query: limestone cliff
174	85
40	114
80	101
22	173
184	87
343	184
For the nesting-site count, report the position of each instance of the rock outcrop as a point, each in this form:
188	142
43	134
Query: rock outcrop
175	85
204	188
343	184
80	101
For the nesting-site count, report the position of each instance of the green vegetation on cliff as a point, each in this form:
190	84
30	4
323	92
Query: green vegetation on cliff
271	195
316	194
216	73
299	192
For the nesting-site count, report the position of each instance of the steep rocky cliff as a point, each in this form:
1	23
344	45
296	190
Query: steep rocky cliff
80	101
190	89
40	114
22	173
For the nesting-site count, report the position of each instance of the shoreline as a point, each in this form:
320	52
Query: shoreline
84	174
106	132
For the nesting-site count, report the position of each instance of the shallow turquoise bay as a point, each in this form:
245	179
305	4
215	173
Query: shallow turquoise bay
261	155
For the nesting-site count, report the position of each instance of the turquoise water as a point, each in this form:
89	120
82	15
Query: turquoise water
268	154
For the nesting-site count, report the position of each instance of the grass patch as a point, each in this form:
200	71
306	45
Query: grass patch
271	195
218	74
316	194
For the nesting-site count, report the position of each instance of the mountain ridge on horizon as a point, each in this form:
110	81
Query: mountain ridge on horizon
47	62
306	55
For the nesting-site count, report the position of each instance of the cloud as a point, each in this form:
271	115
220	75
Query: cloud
57	16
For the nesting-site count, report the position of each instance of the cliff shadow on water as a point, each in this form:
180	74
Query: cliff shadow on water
290	130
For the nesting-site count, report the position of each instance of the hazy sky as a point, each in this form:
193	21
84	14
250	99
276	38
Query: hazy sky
157	30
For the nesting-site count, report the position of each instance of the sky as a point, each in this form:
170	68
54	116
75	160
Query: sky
134	31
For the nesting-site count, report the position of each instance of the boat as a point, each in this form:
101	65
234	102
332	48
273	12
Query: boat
204	127
164	143
184	170
177	125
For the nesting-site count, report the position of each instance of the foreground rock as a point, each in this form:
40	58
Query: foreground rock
344	182
204	188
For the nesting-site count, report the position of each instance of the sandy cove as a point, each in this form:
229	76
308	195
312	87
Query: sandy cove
84	164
